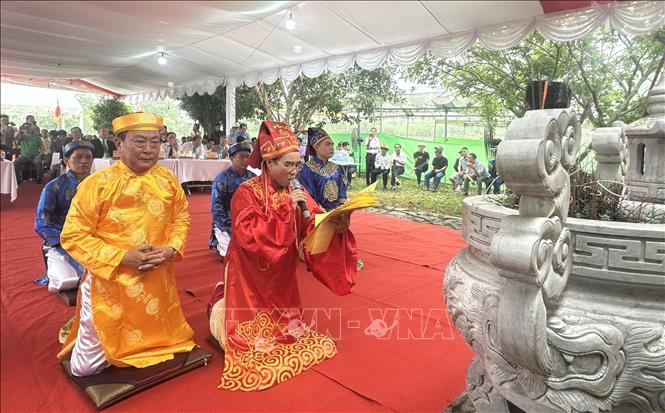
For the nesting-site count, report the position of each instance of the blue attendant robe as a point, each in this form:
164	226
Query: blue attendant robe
223	188
324	182
52	210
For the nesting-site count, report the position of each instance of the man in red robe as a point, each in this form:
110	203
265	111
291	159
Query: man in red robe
256	311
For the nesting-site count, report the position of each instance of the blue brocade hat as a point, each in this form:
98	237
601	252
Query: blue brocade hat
314	135
239	147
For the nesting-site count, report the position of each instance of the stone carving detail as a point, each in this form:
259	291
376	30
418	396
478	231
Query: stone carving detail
602	367
611	148
595	362
532	250
520	294
619	254
646	143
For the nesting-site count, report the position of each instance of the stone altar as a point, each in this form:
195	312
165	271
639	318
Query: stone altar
565	315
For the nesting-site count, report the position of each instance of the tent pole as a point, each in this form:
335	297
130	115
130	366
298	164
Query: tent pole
230	105
445	133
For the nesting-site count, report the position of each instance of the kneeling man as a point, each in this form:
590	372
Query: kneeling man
223	188
62	270
126	225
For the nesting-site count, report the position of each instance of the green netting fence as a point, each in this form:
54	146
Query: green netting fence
410	145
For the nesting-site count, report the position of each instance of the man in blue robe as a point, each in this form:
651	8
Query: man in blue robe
323	179
63	271
223	188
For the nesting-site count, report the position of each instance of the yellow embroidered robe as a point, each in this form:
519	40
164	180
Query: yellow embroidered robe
137	316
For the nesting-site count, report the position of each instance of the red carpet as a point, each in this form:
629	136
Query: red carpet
397	348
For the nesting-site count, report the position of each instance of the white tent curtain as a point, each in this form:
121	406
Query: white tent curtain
629	18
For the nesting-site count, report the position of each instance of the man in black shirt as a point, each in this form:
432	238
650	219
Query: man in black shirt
439	166
216	134
420	161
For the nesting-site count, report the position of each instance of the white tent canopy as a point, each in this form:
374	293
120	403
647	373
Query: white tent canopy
114	46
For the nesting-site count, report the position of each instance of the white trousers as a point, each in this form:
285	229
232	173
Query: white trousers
218	316
223	239
88	356
61	275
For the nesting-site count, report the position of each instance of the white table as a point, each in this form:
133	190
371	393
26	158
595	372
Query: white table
8	183
201	170
187	170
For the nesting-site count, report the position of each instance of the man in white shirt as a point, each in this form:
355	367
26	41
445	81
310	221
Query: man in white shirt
460	169
398	164
171	148
223	147
475	171
382	163
194	147
372	149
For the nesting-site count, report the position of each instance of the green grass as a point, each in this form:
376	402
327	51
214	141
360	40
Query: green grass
408	196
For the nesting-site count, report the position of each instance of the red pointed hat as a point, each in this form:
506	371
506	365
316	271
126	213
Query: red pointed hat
275	140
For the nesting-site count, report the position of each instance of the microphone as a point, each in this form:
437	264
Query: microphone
295	184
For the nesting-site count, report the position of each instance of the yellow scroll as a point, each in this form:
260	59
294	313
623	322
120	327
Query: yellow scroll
319	239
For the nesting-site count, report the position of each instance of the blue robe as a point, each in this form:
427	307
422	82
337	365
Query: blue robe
324	182
52	210
223	188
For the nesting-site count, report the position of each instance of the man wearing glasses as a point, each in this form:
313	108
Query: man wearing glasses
255	313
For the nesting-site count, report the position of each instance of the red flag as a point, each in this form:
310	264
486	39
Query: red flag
57	115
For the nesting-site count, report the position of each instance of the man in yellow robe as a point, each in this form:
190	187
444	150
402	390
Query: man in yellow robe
126	225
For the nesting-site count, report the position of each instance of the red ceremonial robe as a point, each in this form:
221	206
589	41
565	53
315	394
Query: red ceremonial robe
266	340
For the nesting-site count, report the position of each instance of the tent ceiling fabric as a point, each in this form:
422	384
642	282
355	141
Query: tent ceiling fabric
115	44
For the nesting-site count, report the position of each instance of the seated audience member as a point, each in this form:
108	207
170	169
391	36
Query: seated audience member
439	166
475	172
211	147
104	145
194	148
350	169
62	270
223	147
46	149
232	134
7	134
493	179
241	132
171	147
76	134
420	162
223	188
382	164
460	169
31	147
398	164
57	146
322	178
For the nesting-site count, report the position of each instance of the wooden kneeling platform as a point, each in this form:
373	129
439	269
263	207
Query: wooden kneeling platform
115	383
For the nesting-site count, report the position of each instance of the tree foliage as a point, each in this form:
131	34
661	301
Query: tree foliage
106	110
608	73
210	109
334	97
174	119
